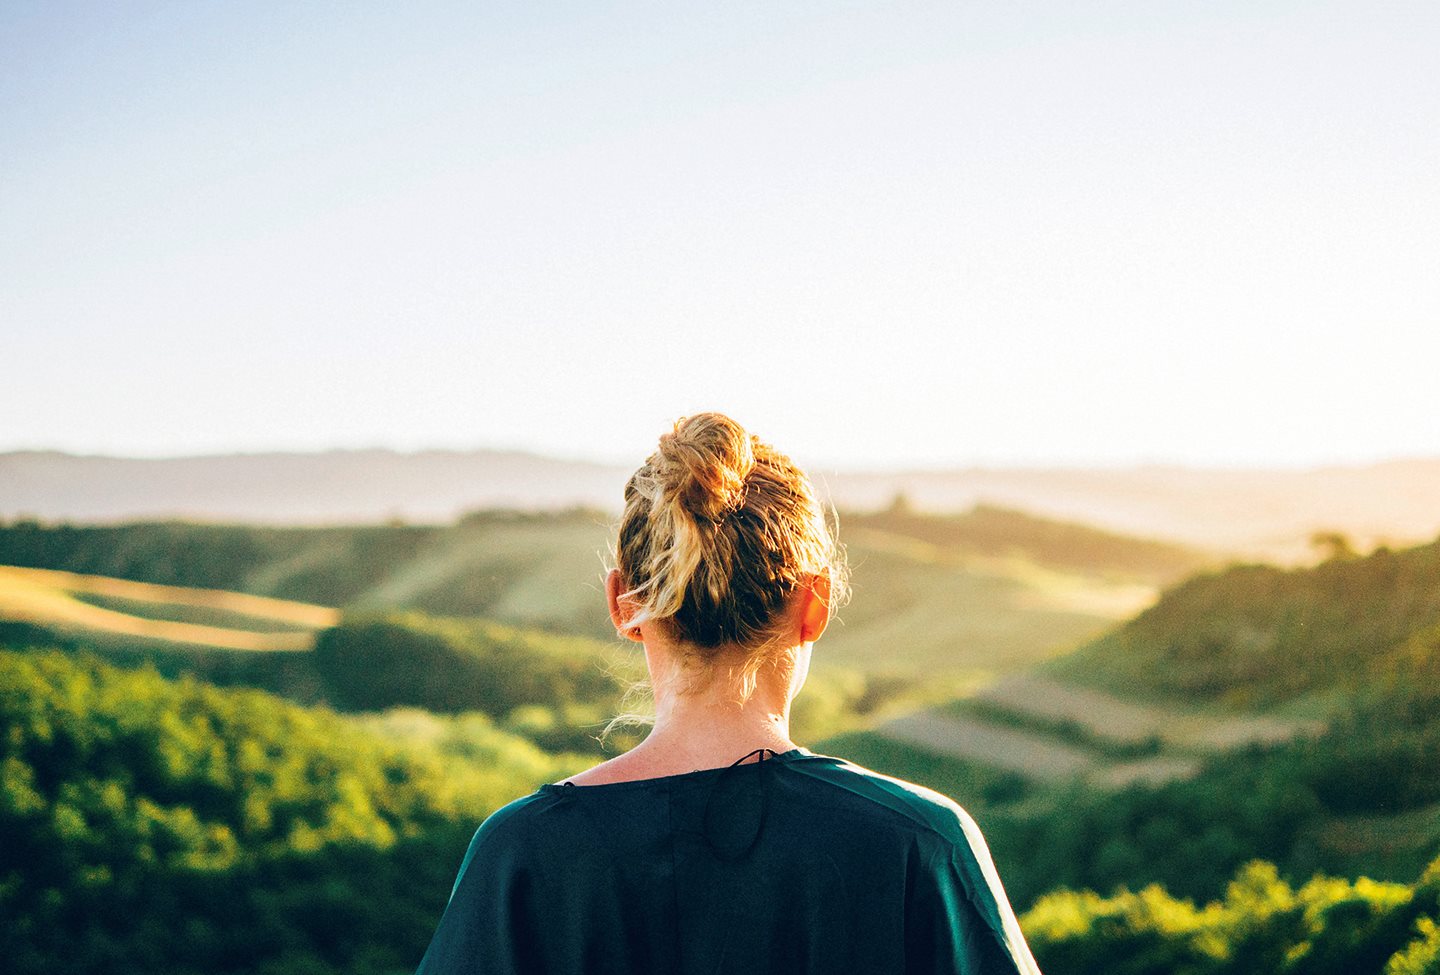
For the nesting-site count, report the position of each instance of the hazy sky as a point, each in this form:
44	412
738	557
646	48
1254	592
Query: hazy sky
1047	232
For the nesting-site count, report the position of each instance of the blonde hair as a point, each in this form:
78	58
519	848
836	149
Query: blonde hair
719	530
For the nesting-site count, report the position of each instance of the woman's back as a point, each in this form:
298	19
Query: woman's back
726	573
798	864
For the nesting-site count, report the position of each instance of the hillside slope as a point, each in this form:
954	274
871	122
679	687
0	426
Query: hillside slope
1256	635
1289	714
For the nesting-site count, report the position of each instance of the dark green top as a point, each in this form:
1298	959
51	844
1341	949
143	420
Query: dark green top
799	864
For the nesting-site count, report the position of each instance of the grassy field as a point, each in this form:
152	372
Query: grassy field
103	608
916	609
546	572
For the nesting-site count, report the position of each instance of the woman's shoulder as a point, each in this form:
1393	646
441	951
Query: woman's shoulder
887	798
505	829
956	853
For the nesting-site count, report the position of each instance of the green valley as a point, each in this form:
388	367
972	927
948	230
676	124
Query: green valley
1180	766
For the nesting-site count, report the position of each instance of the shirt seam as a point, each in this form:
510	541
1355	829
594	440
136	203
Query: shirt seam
674	873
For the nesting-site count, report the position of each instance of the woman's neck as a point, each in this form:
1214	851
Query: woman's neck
705	723
712	727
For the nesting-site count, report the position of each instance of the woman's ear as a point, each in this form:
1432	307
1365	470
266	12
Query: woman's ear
815	607
621	610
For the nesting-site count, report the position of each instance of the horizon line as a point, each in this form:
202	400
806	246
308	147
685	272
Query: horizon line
830	466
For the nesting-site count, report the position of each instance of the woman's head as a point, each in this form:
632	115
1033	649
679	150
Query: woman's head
720	533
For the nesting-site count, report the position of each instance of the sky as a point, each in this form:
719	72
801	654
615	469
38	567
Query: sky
906	234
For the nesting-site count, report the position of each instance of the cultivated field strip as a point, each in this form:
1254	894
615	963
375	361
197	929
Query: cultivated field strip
1030	754
1129	722
1048	731
1149	771
47	598
301	614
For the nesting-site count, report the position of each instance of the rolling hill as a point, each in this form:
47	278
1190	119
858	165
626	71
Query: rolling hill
953	597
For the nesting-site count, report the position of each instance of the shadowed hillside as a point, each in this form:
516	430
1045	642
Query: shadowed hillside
1259	635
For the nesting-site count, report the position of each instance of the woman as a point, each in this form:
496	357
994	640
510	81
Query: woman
716	844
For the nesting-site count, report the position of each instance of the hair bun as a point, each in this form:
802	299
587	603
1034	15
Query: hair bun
704	463
719	532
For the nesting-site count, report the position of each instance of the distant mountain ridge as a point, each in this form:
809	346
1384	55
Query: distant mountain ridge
330	487
1261	511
